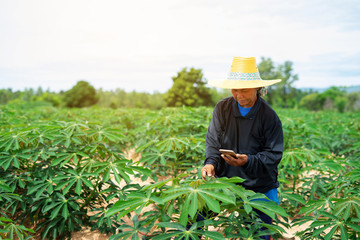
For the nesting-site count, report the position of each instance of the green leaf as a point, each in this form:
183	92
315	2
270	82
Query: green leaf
106	175
67	142
78	186
120	206
211	203
50	206
41	191
347	212
157	185
213	186
61	184
65	211
170	225
269	208
61	159
193	205
354	226
331	233
231	180
123	175
3	219
220	196
55	212
321	223
70	184
145	171
212	235
87	182
295	197
75	159
169	197
247	208
5	188
157	200
165	236
16	163
344	234
329	215
184	212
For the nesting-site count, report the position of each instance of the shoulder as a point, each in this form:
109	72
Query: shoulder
224	103
223	107
267	111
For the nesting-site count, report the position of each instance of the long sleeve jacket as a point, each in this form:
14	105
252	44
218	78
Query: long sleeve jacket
259	135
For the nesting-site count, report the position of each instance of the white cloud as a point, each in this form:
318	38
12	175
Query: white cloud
129	44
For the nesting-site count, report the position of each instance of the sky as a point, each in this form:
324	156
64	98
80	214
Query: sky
140	44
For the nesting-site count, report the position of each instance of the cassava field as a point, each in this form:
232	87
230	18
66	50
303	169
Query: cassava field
63	170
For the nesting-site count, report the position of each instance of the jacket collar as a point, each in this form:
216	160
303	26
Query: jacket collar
251	114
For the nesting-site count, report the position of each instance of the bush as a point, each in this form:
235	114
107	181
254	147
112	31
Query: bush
81	95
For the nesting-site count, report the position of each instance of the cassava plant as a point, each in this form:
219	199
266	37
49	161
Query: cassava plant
62	171
174	141
177	202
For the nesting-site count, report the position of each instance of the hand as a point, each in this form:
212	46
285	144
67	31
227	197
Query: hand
208	170
239	161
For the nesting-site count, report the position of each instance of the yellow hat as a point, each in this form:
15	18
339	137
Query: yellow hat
243	74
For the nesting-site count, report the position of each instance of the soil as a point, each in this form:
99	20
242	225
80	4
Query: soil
87	234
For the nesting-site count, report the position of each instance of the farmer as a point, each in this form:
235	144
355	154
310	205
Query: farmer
246	124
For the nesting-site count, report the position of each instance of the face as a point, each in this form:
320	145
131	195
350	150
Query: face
245	97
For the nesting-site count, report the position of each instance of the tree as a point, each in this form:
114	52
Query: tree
39	91
354	101
336	99
189	90
333	98
81	95
219	94
6	95
312	102
28	94
50	97
281	93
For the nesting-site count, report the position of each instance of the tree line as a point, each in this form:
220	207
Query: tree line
189	89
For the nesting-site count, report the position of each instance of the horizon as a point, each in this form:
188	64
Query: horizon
155	92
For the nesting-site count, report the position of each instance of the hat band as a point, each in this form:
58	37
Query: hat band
244	76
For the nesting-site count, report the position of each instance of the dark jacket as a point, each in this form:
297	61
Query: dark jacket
259	135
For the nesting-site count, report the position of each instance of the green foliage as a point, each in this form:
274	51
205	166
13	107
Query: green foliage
173	140
354	101
282	94
52	98
312	102
66	167
334	218
320	173
180	203
292	98
81	95
188	90
332	99
219	94
63	170
8	229
121	99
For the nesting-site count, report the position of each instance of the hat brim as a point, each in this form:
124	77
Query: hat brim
239	84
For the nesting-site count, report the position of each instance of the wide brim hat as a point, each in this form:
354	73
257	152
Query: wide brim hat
243	74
